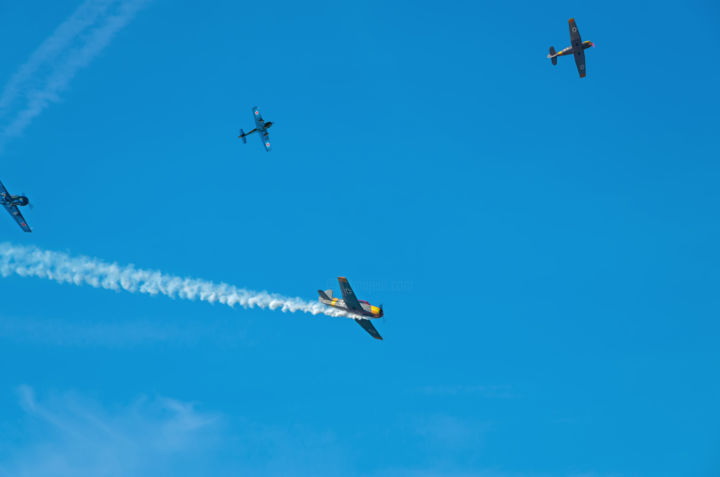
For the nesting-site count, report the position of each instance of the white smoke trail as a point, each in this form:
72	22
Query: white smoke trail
62	268
92	26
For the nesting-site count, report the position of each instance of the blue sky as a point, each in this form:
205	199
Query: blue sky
544	246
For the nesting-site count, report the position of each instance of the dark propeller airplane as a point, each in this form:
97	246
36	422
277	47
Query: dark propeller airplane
11	203
261	127
577	49
364	310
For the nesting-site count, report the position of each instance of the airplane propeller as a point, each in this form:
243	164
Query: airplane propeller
29	204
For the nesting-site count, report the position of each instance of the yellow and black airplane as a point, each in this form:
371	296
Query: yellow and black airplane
577	49
364	310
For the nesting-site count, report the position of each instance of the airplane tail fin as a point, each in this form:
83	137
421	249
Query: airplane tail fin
243	136
326	295
552	56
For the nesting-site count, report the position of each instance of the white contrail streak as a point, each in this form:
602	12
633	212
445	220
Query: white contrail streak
62	268
53	46
73	45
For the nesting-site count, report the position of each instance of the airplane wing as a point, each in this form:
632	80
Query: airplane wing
21	221
13	210
369	328
578	51
258	117
265	138
580	62
575	39
349	297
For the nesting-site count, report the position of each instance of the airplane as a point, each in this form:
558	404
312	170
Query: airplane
261	127
577	49
351	304
11	203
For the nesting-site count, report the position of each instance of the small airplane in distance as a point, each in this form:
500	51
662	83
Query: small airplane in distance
351	304
577	49
11	203
261	127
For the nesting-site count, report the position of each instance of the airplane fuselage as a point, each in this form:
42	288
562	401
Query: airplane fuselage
263	126
573	49
261	129
10	200
368	310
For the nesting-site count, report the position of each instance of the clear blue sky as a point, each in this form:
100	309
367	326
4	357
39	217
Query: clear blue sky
545	247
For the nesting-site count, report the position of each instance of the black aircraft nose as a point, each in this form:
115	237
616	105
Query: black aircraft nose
22	200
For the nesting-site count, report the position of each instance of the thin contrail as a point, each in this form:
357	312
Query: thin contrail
62	268
72	46
50	49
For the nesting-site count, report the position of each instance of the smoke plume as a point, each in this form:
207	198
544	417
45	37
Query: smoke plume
63	268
